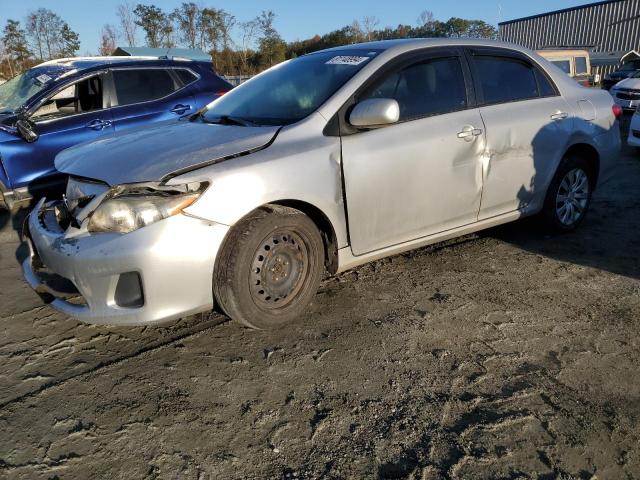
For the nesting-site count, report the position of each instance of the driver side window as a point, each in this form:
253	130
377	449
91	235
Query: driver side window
80	97
426	88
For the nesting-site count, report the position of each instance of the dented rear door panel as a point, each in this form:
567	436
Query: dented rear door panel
525	143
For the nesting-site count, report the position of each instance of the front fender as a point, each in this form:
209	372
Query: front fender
299	166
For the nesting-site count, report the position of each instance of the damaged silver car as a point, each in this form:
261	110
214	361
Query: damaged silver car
322	163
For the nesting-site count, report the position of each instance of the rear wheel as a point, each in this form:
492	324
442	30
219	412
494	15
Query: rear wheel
569	195
269	267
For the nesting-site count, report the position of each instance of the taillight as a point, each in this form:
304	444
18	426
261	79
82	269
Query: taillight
221	93
617	110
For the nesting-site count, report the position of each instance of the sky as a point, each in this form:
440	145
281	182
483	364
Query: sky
295	19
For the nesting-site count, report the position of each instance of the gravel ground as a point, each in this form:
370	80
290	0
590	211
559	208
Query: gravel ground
508	354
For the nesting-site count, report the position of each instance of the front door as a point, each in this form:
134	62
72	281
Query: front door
74	114
422	175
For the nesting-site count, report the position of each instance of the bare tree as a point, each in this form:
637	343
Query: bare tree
128	23
51	37
226	24
108	40
357	34
249	34
369	24
426	18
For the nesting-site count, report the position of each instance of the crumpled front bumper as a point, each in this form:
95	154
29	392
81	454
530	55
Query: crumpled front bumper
174	259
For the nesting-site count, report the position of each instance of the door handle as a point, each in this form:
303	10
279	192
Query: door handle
469	133
98	124
559	116
180	109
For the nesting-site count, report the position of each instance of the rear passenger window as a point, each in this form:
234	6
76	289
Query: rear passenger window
426	88
505	80
544	85
185	76
143	85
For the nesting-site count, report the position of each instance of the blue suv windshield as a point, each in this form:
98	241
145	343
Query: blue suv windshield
290	91
17	91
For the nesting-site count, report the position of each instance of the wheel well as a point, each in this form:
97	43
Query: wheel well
590	154
324	226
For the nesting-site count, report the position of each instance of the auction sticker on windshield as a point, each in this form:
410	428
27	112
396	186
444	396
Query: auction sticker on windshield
347	60
42	79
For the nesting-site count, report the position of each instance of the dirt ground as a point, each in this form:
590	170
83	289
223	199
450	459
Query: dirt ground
508	354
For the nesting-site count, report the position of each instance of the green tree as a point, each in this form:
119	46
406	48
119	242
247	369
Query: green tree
15	45
481	29
209	29
69	42
457	27
272	47
188	19
156	25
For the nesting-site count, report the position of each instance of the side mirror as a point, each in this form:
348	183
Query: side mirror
27	130
375	112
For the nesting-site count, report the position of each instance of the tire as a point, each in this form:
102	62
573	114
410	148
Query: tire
569	195
269	267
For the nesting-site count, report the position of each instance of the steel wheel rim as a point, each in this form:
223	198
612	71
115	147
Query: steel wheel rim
279	269
572	197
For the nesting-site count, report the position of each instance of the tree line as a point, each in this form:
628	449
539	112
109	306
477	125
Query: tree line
236	47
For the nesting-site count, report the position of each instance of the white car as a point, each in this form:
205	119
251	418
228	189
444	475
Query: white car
626	93
634	130
322	163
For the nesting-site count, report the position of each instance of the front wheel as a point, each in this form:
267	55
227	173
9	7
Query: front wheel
269	267
569	195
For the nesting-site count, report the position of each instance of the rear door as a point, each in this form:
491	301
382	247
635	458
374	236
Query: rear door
149	94
420	176
528	127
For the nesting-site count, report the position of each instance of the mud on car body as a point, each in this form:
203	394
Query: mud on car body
325	162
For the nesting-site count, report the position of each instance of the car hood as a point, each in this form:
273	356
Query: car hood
153	153
630	83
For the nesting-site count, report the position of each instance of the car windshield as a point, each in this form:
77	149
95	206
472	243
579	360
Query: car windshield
17	91
290	91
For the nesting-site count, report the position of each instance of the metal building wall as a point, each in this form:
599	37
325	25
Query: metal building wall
601	27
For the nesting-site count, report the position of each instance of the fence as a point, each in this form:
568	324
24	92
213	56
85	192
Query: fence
236	80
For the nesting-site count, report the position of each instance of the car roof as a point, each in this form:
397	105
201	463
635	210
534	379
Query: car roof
408	44
85	63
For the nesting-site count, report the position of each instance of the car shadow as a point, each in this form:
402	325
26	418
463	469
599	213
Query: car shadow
606	239
18	217
5	216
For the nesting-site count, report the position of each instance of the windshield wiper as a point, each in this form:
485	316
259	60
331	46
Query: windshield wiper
229	120
9	112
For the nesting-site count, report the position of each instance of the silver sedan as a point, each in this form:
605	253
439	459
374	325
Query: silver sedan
320	164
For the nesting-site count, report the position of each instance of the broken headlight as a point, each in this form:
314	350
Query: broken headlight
130	207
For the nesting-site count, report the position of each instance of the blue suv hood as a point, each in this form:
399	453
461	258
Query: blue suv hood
152	153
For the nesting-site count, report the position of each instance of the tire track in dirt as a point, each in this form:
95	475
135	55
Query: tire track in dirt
213	322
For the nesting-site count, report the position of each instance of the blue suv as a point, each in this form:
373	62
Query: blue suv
64	102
